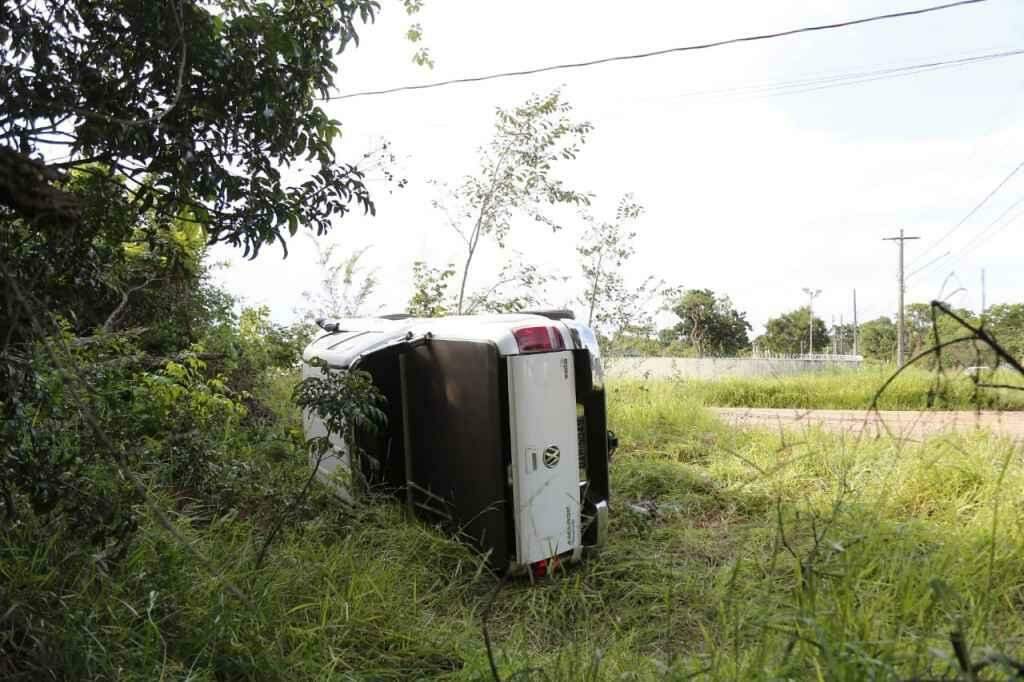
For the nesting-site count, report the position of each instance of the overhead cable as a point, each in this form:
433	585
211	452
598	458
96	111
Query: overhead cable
656	53
970	214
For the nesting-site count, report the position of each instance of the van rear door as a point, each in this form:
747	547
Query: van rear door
545	454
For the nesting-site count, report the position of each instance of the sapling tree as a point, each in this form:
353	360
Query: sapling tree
519	285
344	401
517	177
613	306
346	284
604	249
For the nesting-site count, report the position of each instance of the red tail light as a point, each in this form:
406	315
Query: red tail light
544	567
538	339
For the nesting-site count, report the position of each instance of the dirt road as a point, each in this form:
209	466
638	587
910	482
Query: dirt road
909	424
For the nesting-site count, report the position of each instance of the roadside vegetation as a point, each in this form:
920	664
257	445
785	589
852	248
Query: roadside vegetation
734	554
913	389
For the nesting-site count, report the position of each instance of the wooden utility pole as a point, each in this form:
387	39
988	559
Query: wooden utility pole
899	315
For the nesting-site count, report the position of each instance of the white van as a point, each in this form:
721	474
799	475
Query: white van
496	428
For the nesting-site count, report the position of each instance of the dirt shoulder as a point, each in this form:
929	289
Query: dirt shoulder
905	424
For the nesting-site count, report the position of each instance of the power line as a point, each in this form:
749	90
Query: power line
977	207
989	232
824	80
974	151
655	53
930	263
980	238
897	72
838	79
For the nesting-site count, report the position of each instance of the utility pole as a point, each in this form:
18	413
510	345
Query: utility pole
856	329
811	295
899	316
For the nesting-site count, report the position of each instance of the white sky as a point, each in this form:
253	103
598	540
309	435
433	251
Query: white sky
754	197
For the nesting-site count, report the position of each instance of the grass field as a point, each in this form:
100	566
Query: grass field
855	389
733	555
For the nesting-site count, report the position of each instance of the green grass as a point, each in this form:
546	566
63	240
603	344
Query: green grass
855	389
733	555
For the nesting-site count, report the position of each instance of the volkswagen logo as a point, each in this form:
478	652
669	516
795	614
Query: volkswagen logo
551	456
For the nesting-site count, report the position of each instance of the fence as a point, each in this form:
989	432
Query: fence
841	357
715	368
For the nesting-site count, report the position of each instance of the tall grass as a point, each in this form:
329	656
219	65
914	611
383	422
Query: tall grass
914	389
733	555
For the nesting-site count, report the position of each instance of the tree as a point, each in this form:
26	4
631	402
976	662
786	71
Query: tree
604	249
132	134
709	323
345	284
516	176
619	312
878	339
191	107
788	333
924	331
121	121
1006	323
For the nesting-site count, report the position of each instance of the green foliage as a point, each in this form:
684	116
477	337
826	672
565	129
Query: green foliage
86	413
344	401
788	333
630	342
162	95
927	328
710	324
414	34
517	176
1006	323
604	250
119	271
878	340
250	349
430	286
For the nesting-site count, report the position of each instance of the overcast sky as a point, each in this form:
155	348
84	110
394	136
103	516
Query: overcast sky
755	195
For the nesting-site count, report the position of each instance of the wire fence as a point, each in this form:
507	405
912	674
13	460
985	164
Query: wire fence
817	357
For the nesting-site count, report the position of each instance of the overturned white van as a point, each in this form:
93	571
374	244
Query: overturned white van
496	428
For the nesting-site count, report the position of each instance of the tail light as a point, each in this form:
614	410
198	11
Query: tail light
538	339
544	567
